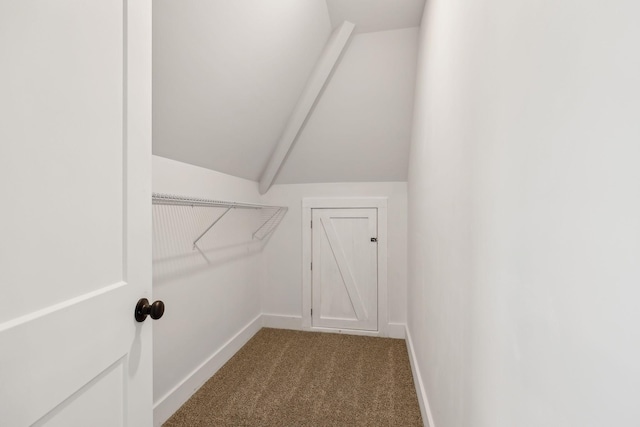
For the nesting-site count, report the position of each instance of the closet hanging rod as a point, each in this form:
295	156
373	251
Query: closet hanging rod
170	199
263	231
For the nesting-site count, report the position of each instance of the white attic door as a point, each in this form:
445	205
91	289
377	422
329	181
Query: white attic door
345	269
75	180
354	220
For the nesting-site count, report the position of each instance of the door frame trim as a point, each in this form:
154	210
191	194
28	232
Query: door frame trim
379	203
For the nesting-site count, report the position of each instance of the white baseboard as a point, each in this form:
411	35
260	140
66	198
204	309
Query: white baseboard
343	331
279	321
174	399
425	409
396	330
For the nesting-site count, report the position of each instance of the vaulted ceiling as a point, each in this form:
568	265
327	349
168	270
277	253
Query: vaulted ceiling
228	74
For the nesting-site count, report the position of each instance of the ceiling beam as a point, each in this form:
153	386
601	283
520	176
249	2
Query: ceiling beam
328	59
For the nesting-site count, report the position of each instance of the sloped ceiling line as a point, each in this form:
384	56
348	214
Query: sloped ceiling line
318	79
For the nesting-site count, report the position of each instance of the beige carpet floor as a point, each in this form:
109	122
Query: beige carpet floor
292	378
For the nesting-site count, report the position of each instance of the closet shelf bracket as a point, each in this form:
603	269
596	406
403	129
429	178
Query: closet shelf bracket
195	242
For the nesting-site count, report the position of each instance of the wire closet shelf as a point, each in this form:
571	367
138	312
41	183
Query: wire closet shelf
273	213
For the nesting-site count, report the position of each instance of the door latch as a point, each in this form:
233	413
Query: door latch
374	239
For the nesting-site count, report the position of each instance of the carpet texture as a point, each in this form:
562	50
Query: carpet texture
293	378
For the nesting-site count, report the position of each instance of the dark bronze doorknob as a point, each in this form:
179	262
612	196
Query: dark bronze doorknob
144	309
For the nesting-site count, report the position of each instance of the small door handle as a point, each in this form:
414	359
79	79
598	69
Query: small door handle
374	239
144	309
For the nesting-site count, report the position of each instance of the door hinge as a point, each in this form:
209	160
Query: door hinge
312	312
312	266
311	223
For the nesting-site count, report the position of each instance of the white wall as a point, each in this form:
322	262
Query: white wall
227	75
376	15
524	213
360	128
282	285
207	302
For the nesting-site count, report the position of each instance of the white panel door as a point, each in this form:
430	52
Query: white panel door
75	223
344	269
